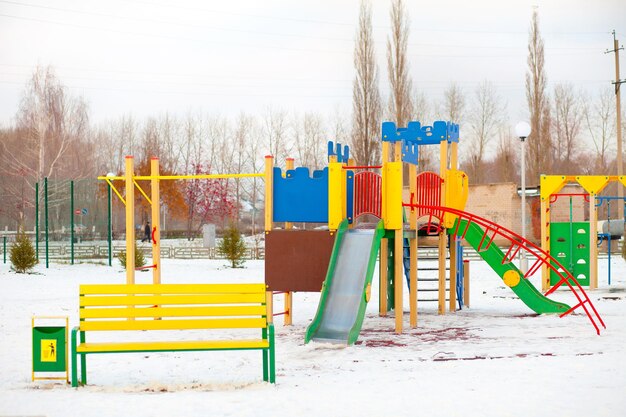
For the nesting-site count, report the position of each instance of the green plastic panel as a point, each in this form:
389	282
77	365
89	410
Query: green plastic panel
569	244
525	290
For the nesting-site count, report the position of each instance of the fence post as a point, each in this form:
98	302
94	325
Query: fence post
466	283
37	220
4	248
72	222
45	191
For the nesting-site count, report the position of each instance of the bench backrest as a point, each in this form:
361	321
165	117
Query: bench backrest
172	306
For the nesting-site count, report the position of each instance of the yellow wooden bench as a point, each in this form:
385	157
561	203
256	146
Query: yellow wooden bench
145	307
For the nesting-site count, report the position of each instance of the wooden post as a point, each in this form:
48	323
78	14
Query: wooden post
398	277
269	216
130	221
413	251
545	241
453	268
398	273
384	245
288	319
443	166
382	297
466	283
593	247
156	220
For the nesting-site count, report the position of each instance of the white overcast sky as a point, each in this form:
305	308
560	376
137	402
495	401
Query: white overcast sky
148	57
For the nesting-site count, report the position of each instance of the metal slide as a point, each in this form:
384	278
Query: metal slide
525	290
346	290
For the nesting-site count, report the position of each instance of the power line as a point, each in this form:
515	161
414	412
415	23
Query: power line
334	39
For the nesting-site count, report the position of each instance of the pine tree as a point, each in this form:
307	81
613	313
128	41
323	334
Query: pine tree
22	255
140	259
232	246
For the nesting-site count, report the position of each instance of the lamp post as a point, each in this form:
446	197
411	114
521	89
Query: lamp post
522	130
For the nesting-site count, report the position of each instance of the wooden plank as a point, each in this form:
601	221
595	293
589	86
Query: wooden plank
178	345
171	288
220	311
247	323
149	300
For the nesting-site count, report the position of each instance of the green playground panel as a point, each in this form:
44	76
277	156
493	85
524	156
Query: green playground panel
49	349
569	244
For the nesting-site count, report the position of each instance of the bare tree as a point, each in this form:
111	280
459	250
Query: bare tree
276	126
366	96
506	158
52	137
486	115
539	141
600	124
453	106
567	121
400	105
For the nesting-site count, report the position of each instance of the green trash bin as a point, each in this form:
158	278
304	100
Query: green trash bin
50	348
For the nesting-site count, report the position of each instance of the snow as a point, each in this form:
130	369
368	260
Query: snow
493	359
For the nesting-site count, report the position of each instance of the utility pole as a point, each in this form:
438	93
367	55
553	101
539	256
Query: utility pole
618	105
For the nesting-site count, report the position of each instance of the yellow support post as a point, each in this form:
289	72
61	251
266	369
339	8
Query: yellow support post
413	251
336	195
156	220
130	220
288	319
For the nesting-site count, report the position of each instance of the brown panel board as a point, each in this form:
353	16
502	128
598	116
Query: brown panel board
297	260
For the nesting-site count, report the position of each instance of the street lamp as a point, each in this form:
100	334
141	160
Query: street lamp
522	130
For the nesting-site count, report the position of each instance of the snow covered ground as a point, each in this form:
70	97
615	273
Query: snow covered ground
493	359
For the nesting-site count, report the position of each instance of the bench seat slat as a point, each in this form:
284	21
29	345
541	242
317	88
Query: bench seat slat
149	300
172	288
114	325
172	346
157	311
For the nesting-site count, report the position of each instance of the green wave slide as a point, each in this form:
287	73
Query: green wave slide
524	289
346	290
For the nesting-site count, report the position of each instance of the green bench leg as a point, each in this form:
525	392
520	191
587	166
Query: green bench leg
265	356
83	362
74	361
272	355
83	369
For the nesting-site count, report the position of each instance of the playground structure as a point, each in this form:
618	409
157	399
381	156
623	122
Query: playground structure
340	261
574	242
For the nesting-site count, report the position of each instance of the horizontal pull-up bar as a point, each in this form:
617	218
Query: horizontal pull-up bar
183	177
363	167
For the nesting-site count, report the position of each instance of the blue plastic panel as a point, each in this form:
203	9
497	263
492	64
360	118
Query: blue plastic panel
350	196
300	198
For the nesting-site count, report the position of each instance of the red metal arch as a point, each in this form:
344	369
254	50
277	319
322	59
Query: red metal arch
491	230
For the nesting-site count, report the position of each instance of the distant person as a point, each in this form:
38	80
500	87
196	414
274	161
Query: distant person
146	237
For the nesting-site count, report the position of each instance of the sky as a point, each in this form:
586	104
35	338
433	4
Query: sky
149	57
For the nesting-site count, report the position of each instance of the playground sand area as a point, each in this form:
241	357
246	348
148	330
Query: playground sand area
496	358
